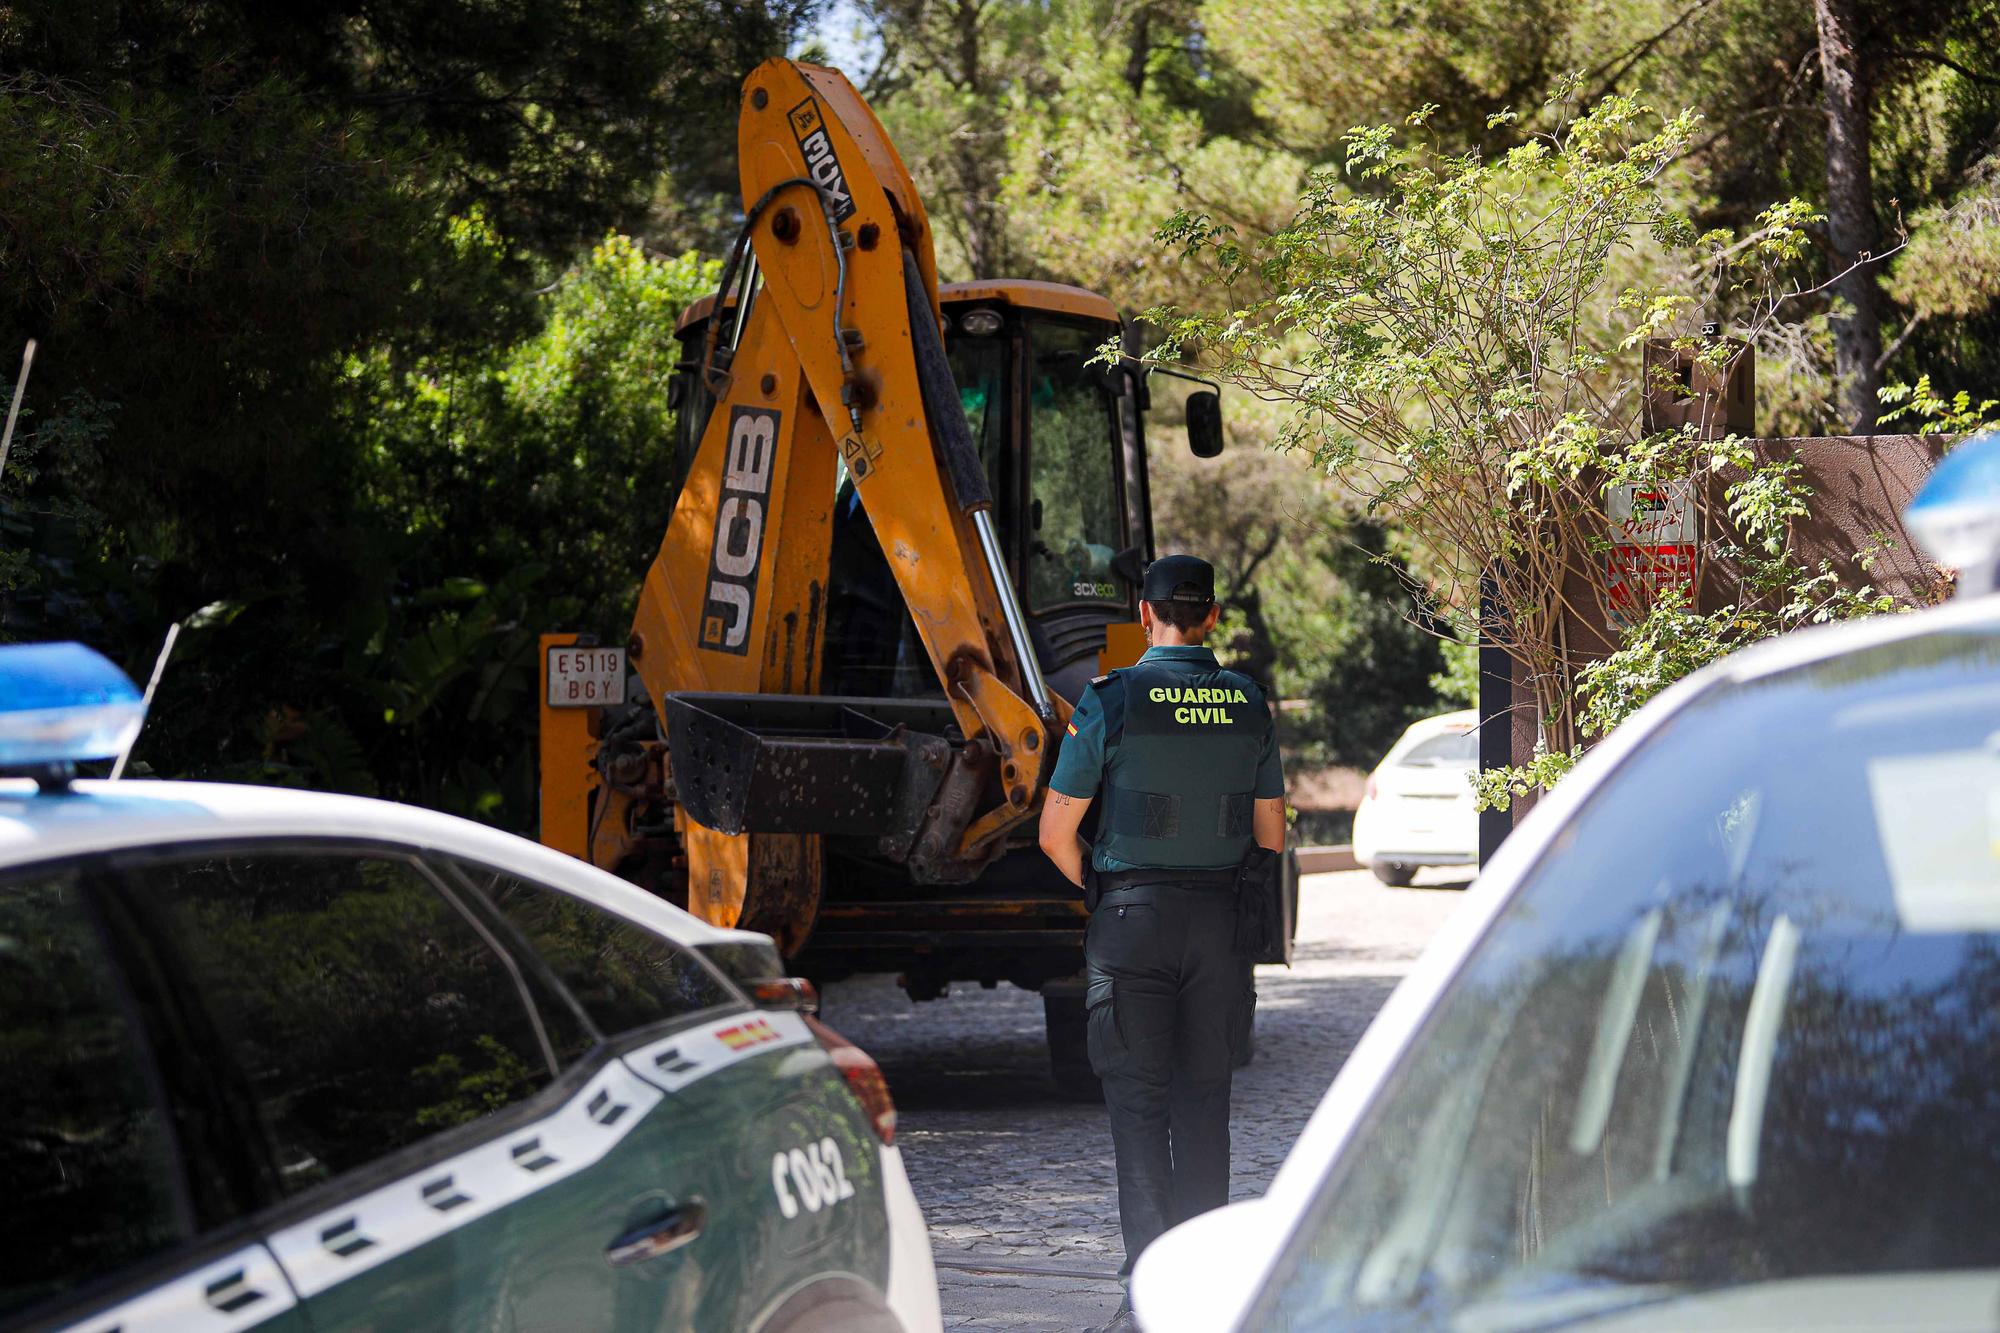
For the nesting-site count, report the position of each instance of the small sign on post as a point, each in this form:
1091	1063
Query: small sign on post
1654	545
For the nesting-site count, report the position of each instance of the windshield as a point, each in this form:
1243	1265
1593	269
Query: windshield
1451	749
1741	1024
1074	516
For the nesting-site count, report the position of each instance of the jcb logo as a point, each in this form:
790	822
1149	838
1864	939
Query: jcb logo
821	164
739	530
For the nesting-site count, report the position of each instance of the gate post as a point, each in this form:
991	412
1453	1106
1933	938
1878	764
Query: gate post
1496	714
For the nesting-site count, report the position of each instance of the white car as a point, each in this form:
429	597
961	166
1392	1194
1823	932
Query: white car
1417	809
1713	1043
291	1061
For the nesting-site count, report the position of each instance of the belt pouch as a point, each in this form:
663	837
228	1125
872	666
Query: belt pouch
1259	914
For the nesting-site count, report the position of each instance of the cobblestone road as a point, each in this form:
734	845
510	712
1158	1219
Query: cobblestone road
1017	1183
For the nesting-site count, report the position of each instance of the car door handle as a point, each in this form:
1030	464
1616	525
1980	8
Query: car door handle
661	1236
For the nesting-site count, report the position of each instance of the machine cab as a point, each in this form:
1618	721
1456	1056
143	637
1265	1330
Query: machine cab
1061	435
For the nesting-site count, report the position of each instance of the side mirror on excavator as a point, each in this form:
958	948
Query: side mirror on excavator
1204	412
1204	423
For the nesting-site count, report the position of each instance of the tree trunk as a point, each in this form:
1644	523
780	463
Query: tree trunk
1140	50
1850	210
974	152
975	184
1254	653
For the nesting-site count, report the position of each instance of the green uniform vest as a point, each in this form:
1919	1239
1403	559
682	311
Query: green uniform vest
1181	749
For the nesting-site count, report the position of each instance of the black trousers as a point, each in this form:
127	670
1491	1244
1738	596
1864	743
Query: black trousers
1170	1008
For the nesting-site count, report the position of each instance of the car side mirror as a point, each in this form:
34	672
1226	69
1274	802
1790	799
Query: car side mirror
788	994
1204	423
1208	1271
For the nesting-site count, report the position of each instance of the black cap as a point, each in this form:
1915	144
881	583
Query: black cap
1179	578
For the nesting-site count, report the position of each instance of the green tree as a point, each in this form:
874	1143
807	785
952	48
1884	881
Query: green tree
1317	601
216	203
284	268
1004	108
1448	333
520	491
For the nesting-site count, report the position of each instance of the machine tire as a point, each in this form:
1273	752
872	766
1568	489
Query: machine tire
1069	1054
1393	873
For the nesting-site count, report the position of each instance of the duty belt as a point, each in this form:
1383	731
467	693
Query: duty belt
1111	881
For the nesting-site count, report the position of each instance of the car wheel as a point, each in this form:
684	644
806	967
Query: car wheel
1393	873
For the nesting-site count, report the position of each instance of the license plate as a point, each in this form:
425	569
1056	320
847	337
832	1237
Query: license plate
586	677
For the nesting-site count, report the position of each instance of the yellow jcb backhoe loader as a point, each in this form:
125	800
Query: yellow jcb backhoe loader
909	527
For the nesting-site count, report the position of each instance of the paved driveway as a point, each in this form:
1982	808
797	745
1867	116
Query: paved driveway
1017	1183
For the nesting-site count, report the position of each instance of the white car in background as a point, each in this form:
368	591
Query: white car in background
1417	810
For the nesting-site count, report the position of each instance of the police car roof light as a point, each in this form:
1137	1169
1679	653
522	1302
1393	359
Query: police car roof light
61	703
1956	516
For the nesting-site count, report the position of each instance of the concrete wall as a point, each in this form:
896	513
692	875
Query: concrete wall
1861	485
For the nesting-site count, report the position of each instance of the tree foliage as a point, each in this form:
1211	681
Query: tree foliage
1451	334
284	265
334	346
1317	601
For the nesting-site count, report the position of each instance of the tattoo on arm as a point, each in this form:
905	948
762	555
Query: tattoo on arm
1058	798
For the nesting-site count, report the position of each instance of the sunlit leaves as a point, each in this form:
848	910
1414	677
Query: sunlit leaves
1449	330
1922	406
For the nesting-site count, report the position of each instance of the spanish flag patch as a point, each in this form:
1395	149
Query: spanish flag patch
1072	728
754	1033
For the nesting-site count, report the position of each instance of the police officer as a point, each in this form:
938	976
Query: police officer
1181	757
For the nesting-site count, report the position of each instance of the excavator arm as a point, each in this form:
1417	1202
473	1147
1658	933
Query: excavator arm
831	360
845	249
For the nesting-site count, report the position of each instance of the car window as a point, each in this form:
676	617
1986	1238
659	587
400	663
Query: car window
86	1159
1453	749
1741	1024
625	977
364	1009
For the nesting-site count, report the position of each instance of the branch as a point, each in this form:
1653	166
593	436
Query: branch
1251	565
1940	58
1864	262
1633	54
1889	353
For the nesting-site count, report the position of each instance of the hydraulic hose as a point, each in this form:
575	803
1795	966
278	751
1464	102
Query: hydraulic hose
940	395
742	243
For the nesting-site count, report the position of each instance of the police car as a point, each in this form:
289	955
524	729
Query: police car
284	1060
1714	1042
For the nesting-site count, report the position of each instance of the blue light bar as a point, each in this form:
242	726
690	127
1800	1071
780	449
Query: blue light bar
61	703
1956	516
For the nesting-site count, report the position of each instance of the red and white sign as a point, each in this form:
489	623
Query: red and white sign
1654	545
586	677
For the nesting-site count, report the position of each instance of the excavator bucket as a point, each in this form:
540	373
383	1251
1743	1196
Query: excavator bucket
772	763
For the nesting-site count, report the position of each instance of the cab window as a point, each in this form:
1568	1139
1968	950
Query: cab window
625	977
364	1010
1075	523
86	1158
979	367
